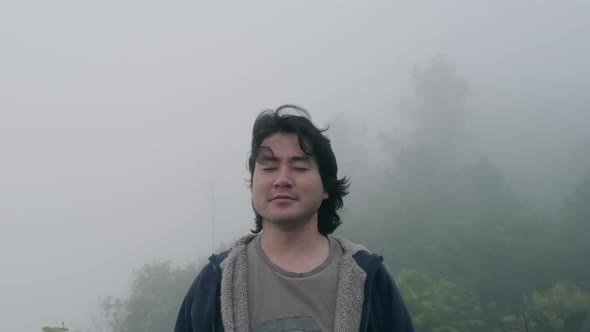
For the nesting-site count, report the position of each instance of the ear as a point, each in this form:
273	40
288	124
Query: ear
326	196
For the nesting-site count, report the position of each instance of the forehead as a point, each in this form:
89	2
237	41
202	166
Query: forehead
283	146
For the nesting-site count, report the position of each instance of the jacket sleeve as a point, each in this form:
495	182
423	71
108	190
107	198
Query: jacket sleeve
197	311
388	311
183	321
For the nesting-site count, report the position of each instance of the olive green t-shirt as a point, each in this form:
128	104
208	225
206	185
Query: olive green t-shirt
280	300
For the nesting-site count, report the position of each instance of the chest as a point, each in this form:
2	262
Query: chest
279	300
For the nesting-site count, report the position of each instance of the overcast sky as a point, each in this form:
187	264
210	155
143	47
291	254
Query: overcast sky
124	125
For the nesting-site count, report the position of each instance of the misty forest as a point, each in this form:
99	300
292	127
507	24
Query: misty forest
466	252
462	126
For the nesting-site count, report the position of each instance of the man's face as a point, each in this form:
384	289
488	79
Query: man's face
286	188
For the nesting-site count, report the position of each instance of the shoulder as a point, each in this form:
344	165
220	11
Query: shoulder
210	272
387	311
218	261
363	257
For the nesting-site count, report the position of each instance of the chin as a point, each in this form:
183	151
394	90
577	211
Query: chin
288	219
283	220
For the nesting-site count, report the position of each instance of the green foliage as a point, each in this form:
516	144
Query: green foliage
562	308
440	306
54	329
156	295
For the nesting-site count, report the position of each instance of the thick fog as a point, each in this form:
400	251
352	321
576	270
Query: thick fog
125	126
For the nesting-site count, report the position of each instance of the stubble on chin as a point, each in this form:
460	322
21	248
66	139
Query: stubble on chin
288	222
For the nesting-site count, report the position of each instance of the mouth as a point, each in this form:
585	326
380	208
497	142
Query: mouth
282	198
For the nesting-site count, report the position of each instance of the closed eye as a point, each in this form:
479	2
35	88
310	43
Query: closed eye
301	169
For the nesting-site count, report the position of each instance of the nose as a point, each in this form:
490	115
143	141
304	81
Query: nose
283	179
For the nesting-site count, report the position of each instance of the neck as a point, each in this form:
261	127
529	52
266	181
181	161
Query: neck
297	250
281	240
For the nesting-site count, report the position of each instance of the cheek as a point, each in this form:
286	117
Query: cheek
256	198
316	186
254	189
257	188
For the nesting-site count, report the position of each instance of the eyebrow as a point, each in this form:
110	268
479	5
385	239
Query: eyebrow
273	159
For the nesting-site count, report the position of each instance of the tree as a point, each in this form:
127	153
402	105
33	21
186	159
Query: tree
439	213
440	306
156	295
112	315
563	308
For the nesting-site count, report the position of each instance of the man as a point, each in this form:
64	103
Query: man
291	274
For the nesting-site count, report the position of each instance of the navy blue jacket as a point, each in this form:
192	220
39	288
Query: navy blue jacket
383	307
